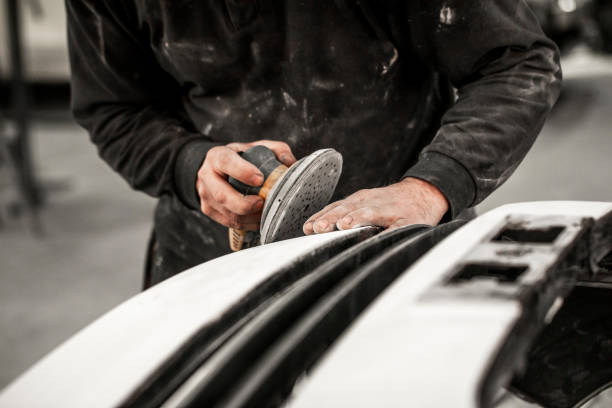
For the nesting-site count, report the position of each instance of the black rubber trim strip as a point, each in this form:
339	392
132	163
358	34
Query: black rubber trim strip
231	362
198	349
536	300
238	357
272	377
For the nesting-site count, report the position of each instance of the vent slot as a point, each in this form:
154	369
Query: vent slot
532	236
500	273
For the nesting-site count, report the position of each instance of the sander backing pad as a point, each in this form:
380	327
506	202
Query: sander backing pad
303	190
291	195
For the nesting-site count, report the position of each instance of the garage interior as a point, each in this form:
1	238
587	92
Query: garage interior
79	253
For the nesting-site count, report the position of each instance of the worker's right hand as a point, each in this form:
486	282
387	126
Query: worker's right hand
219	200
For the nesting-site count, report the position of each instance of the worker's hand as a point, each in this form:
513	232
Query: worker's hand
411	201
218	199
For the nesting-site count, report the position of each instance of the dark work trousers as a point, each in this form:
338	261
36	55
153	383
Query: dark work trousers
183	238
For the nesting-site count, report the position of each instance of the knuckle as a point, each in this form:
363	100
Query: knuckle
365	213
204	197
361	195
221	156
362	215
248	206
213	151
283	146
219	197
203	170
244	169
234	222
341	209
205	208
242	208
275	144
202	176
370	212
223	161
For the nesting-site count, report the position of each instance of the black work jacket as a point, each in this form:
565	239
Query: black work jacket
450	91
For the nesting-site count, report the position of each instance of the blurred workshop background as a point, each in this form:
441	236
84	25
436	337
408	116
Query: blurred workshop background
73	234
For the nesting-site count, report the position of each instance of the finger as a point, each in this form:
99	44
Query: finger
364	216
225	161
237	221
239	147
280	149
307	228
353	199
220	192
327	222
249	227
214	215
240	222
402	222
324	211
231	221
308	225
245	223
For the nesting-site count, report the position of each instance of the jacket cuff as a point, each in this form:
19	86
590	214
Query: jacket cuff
447	175
188	162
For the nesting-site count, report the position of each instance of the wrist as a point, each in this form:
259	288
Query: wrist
449	176
429	194
188	163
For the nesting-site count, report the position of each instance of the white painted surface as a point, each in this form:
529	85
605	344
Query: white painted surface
416	357
406	351
398	352
101	365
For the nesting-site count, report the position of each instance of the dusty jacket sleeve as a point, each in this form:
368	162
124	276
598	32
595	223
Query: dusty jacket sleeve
129	105
508	78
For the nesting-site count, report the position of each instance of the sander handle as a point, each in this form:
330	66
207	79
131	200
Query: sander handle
265	160
261	157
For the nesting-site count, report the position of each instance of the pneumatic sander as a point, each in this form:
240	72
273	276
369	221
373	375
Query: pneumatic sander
291	194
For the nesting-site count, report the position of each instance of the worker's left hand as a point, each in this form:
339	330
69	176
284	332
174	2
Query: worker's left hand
411	201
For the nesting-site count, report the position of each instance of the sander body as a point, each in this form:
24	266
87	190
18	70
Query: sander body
291	194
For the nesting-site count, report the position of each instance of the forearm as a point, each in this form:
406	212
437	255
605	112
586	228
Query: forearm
150	147
130	106
493	124
508	78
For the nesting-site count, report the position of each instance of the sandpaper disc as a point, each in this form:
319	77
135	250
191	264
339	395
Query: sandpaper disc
304	189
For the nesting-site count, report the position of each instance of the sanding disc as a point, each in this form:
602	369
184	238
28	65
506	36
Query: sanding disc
304	189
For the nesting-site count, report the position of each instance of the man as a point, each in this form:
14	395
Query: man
433	104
